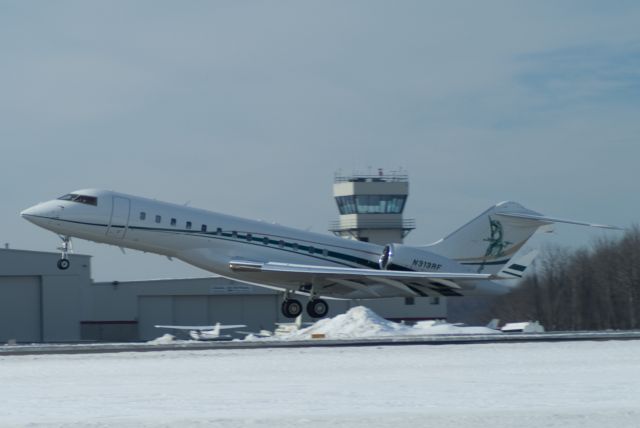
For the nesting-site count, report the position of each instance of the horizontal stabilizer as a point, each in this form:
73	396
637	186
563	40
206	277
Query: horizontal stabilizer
547	219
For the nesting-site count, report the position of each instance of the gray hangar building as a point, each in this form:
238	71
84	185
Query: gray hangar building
40	303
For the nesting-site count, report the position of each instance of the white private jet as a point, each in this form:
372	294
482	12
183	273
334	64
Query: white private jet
466	262
204	332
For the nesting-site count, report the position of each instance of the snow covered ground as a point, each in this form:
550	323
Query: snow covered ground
584	384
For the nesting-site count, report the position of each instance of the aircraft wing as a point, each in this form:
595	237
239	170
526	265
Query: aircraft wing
198	327
367	281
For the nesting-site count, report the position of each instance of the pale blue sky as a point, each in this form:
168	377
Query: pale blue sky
249	108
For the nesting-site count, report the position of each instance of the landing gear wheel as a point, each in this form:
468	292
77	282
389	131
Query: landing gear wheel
291	308
317	308
65	248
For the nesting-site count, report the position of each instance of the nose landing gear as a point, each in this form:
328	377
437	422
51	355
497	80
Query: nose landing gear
65	248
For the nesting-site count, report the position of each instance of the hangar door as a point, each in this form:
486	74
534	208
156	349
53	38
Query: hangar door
20	309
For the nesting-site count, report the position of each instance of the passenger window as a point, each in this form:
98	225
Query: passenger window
281	244
173	222
265	240
158	219
249	237
143	215
234	234
295	247
312	250
325	252
204	228
189	225
219	231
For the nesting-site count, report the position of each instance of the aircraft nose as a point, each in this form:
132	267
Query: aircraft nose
39	213
30	212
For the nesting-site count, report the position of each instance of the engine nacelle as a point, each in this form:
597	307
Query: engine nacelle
404	257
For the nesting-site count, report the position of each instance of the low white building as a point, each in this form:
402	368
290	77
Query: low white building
523	327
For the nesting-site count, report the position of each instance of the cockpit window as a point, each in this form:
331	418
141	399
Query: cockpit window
83	199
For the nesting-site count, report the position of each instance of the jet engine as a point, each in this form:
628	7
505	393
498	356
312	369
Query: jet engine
408	258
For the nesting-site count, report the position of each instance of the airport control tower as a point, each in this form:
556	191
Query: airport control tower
371	207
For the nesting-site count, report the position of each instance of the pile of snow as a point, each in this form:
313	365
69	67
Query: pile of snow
357	322
362	322
163	340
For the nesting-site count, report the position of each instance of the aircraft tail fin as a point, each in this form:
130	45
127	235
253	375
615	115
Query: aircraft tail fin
493	324
489	241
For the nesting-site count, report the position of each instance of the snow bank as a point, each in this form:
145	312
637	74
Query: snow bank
162	340
362	322
357	322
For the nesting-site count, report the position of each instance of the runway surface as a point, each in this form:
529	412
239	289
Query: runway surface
559	384
453	339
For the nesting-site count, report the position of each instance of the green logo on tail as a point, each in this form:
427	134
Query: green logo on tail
496	241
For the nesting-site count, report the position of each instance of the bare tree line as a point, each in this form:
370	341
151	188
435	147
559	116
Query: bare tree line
588	289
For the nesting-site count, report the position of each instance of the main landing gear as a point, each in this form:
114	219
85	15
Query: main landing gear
291	308
65	248
316	308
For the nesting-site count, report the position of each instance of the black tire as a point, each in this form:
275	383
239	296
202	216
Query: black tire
291	308
63	264
317	308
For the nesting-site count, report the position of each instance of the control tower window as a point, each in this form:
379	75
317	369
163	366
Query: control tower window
83	199
371	204
346	204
